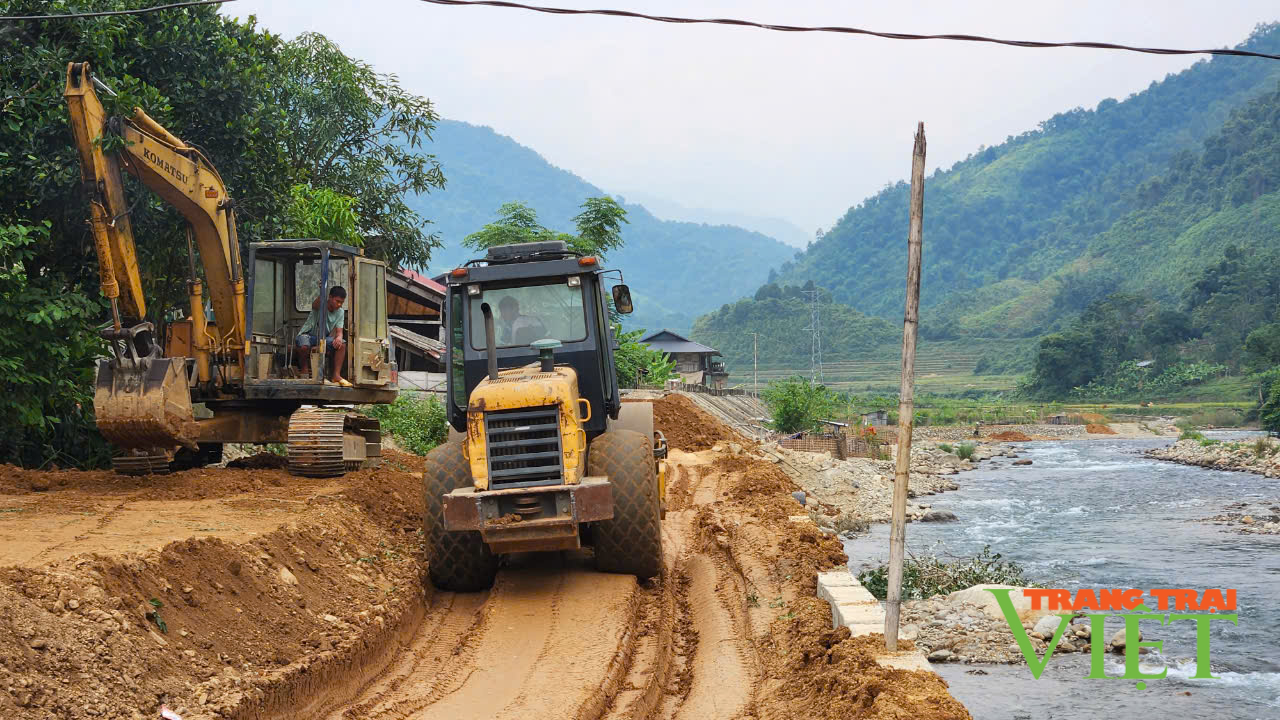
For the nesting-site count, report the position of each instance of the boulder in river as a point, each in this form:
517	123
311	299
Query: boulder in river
1047	625
939	516
1118	640
1021	462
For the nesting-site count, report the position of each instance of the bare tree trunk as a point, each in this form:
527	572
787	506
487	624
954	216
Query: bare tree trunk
906	401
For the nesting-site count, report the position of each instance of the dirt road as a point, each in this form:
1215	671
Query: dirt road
301	600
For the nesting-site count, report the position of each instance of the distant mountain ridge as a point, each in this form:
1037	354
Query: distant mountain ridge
676	270
1017	236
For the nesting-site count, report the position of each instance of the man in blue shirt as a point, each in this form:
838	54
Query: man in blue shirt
335	316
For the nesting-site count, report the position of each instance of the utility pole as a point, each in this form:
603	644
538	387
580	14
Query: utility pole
906	398
755	364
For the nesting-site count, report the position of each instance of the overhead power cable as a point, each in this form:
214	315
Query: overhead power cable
106	13
847	30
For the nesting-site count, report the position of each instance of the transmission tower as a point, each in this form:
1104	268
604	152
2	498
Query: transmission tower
815	330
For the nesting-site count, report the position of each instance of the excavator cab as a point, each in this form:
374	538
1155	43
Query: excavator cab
544	455
285	278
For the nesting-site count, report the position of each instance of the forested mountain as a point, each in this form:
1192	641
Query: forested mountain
780	314
1022	236
676	270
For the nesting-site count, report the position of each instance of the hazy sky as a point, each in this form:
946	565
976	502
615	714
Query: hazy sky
794	126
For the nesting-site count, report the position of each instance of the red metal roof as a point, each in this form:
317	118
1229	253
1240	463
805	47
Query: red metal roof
424	281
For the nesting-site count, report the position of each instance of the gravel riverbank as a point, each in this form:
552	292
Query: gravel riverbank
1237	456
854	492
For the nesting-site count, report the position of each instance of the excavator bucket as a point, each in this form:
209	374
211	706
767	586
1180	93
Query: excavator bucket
143	401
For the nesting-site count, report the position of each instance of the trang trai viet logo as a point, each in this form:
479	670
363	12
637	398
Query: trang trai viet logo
1200	608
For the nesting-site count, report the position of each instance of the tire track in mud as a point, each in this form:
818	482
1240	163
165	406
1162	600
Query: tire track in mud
437	655
722	670
551	639
555	638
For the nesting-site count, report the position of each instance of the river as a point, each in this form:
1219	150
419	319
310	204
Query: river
1096	513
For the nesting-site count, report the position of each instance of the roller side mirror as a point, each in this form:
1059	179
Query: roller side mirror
622	299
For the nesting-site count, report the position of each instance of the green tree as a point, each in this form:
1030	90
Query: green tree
1269	412
797	404
270	114
322	214
599	228
1263	345
360	134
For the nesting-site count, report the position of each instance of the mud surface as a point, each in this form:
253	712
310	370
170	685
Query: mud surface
306	600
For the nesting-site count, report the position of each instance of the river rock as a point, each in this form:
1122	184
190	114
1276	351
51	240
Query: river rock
1021	462
986	602
940	656
1118	640
1047	625
939	516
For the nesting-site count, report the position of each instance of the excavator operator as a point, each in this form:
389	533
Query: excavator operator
335	316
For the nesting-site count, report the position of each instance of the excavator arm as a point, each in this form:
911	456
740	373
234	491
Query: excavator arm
178	173
143	400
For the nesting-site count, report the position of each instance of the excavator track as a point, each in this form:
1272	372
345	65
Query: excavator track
327	444
141	462
315	443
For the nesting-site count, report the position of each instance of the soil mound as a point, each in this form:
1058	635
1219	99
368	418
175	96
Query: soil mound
1098	429
687	427
1011	436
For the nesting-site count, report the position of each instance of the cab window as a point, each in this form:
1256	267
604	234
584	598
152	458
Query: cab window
522	315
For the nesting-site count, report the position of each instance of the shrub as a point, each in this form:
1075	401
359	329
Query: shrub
797	404
418	423
965	451
1207	442
1262	447
637	363
926	576
1188	434
945	447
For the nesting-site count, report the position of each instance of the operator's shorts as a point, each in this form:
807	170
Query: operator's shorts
306	340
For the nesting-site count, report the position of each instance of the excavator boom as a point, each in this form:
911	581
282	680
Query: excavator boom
143	400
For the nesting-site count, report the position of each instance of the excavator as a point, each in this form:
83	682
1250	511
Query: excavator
230	371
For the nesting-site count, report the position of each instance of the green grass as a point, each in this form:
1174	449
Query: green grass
417	422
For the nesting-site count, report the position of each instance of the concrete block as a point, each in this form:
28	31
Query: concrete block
911	660
858	614
829	581
866	629
849	594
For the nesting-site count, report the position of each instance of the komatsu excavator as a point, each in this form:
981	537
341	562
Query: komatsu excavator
171	399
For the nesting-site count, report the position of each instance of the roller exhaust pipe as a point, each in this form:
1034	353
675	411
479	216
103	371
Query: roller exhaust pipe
490	345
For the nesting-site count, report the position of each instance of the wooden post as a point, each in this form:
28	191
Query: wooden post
906	398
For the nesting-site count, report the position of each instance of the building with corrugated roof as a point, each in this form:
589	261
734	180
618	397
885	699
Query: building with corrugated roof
693	360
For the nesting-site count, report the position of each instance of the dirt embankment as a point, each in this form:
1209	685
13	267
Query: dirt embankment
255	594
218	593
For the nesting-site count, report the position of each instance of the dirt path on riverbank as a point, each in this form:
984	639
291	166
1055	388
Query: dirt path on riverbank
254	594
